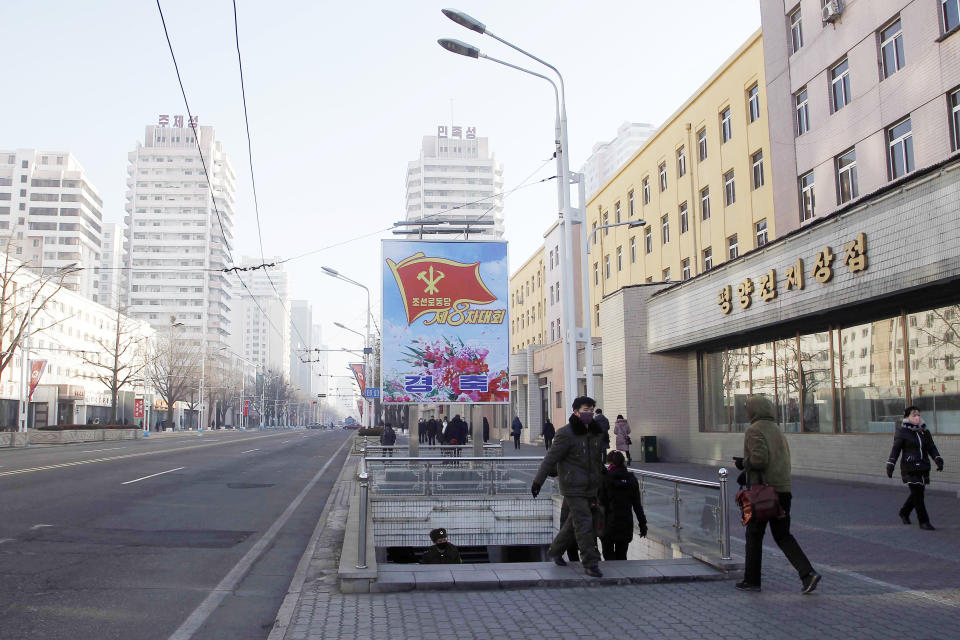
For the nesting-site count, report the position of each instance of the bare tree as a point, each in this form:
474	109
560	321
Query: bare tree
172	370
120	360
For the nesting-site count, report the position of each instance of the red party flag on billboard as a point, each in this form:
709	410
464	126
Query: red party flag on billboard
359	374
437	284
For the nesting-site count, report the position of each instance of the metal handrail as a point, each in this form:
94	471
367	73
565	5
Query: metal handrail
447	459
678	479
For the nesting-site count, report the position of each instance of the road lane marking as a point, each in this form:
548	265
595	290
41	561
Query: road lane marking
96	450
250	450
285	442
39	526
62	465
2	540
153	475
226	586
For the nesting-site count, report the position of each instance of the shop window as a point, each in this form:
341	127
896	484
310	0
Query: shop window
872	402
934	387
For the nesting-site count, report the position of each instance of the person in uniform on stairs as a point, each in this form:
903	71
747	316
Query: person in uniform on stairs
442	552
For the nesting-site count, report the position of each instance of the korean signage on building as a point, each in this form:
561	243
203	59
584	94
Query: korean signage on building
456	131
445	324
164	121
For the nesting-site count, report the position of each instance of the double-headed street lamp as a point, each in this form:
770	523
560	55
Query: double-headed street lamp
367	350
566	212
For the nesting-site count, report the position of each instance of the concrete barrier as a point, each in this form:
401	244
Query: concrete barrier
36	436
12	439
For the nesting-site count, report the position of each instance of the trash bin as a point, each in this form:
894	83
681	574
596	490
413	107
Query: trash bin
648	448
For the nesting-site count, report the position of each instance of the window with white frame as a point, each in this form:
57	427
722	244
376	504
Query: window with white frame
662	172
900	149
685	272
665	229
633	249
648	239
707	259
891	49
757	164
630	207
753	102
666	275
733	247
840	84
550	260
761	231
606	266
949	15
726	125
705	203
684	221
619	258
796	30
681	162
953	100
605	222
702	144
807	199
616	212
593	232
729	189
846	166
551	295
596	313
596	274
802	111
646	190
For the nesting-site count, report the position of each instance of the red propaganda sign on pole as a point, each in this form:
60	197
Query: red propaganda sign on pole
246	407
138	408
359	374
37	368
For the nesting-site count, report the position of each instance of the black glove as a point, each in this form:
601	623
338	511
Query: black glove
535	489
890	469
643	531
939	462
738	462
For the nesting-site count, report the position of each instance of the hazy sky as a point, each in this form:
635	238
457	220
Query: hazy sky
339	97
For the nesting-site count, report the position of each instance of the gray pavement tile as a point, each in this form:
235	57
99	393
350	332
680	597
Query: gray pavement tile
480	579
433	580
517	578
393	582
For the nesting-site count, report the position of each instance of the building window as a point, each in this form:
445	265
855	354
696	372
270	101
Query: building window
807	200
802	111
733	248
753	102
630	208
702	144
662	172
665	229
606	266
619	258
708	259
950	14
726	125
633	249
616	212
684	222
761	229
551	260
729	189
891	49
757	161
954	102
606	221
847	176
666	274
840	84
681	162
648	239
705	203
685	269
596	276
900	145
596	313
646	191
593	232
796	30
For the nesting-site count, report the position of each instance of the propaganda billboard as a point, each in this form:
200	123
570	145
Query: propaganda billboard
445	322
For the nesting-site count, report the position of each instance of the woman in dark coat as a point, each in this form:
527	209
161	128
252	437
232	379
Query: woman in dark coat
549	431
620	497
486	429
914	442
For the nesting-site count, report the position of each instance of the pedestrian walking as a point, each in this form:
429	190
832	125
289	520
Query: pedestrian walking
486	430
575	457
515	430
620	497
766	459
621	429
421	430
601	420
573	551
442	552
388	439
432	428
548	432
914	442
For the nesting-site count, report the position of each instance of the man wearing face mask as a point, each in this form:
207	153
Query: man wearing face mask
442	552
577	456
914	441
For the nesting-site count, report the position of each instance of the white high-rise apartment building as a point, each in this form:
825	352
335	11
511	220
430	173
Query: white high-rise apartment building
608	157
176	241
261	316
301	341
51	213
320	366
456	169
111	277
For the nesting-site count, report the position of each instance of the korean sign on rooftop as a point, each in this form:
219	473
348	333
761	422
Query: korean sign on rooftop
445	325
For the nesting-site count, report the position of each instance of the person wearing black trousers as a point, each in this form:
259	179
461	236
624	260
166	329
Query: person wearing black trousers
914	442
548	432
620	497
515	430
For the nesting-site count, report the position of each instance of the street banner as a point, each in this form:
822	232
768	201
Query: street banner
360	375
246	407
445	322
138	407
37	367
360	407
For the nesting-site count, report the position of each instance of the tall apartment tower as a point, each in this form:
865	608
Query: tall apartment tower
607	157
456	177
51	213
177	238
301	341
111	288
261	316
320	366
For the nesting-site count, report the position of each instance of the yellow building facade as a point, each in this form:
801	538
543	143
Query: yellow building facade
701	183
527	302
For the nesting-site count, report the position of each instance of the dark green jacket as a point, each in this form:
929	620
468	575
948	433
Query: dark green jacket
766	452
433	555
577	456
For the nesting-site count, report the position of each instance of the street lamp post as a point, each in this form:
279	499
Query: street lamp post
366	346
569	329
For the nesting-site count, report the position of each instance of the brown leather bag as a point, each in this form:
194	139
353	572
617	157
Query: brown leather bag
758	502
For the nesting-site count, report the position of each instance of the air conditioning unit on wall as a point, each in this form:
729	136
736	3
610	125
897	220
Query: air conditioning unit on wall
832	10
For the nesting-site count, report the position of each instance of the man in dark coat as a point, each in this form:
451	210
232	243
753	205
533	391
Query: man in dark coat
601	420
442	552
548	432
576	457
515	430
421	430
432	431
486	429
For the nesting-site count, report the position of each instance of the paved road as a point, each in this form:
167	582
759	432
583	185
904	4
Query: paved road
127	539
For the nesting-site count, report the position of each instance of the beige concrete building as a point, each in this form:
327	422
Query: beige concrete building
527	301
